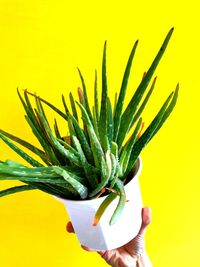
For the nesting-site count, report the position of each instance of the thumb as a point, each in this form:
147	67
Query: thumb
146	219
136	246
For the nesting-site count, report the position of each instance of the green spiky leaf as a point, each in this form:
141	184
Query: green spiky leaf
95	155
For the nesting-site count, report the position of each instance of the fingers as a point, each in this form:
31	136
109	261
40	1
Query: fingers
146	219
135	245
69	227
87	249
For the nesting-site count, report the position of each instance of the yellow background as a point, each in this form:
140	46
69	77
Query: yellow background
41	44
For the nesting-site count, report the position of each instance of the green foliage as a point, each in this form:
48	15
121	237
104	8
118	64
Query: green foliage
94	158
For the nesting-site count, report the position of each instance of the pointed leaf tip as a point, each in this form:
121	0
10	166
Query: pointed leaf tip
80	92
171	31
95	222
137	41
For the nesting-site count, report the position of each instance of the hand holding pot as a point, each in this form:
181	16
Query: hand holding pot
133	253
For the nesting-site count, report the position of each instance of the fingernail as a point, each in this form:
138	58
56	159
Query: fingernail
86	248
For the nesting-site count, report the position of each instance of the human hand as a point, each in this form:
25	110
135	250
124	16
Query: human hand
133	253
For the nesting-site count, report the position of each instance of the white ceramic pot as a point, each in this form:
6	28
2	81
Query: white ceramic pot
105	236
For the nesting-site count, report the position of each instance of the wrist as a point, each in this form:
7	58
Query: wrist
143	261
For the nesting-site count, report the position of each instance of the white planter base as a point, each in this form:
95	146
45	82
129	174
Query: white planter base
104	236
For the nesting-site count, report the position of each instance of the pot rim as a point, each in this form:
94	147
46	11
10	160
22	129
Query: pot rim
137	168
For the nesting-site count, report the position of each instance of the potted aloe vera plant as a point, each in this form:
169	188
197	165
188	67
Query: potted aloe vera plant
94	168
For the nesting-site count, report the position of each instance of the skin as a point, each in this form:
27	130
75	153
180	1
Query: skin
133	253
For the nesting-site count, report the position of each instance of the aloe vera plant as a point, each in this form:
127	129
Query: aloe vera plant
94	158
